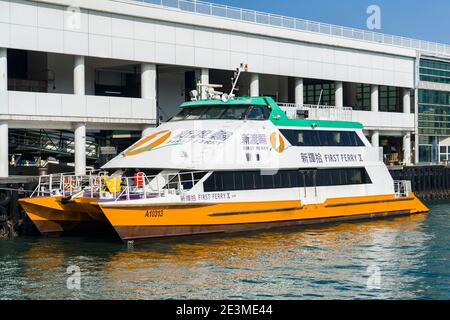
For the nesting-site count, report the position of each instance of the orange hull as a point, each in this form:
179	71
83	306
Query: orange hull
154	221
53	216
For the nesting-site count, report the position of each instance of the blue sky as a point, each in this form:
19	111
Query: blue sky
425	20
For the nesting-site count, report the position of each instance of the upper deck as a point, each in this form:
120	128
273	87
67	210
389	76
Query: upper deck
276	115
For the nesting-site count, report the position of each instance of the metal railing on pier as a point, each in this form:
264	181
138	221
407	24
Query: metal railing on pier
263	18
316	112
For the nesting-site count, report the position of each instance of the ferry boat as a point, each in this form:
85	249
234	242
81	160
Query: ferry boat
228	164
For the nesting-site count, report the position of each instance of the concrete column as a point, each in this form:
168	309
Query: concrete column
339	93
283	89
4	142
204	79
299	91
79	74
80	148
3	69
375	139
254	85
407	148
374	98
406	100
148	90
148	81
4	158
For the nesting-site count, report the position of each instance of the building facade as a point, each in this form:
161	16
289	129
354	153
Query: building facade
109	67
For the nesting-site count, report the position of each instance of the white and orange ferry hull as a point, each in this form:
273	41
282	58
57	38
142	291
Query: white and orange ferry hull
133	222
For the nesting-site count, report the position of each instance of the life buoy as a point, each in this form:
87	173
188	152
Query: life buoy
69	185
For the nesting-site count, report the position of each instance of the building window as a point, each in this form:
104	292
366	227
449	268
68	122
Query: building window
322	93
390	99
434	71
363	97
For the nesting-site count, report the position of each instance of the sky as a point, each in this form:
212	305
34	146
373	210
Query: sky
425	20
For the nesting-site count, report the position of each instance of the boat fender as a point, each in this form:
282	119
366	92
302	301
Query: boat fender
3	214
4	227
5	197
4	230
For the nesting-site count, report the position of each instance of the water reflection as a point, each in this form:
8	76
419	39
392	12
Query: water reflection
329	262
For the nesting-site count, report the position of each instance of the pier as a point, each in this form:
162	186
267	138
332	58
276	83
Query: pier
428	182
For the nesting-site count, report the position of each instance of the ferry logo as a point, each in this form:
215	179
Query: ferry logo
277	142
148	143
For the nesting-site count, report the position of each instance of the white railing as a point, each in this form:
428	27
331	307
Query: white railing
98	184
252	16
157	186
316	112
402	188
68	184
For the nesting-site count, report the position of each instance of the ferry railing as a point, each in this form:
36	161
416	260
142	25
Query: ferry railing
402	188
156	186
297	24
66	184
316	112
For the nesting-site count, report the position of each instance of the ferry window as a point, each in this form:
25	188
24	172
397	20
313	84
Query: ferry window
195	113
259	181
301	138
354	177
258	113
268	181
229	181
317	138
181	115
213	112
336	177
235	113
250	180
326	139
336	138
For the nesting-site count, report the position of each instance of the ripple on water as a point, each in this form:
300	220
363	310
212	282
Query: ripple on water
409	256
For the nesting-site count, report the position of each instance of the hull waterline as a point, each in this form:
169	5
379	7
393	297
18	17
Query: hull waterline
146	222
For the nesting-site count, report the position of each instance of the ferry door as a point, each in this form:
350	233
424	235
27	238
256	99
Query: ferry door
308	184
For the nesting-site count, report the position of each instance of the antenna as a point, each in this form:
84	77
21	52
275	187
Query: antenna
242	68
320	98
